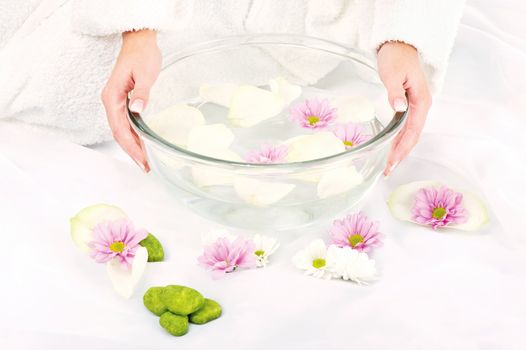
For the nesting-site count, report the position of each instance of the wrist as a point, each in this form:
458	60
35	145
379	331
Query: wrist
143	36
397	44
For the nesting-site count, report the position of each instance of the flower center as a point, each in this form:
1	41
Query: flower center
348	143
355	239
439	213
313	120
259	252
117	247
318	263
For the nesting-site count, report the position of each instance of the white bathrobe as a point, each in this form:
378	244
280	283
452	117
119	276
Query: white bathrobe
56	55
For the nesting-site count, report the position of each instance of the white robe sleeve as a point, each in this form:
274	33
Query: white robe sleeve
105	17
428	25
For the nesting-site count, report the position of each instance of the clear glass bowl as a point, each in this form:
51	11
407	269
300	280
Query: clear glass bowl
265	197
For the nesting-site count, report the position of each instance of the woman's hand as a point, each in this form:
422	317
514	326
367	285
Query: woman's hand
136	69
400	70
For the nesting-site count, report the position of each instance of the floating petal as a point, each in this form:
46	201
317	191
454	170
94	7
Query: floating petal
353	109
174	124
210	139
219	94
338	181
261	193
402	200
287	91
315	146
251	105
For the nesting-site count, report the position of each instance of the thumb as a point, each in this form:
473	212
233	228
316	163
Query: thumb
396	92
140	93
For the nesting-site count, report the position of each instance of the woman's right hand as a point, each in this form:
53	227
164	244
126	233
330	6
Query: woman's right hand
136	69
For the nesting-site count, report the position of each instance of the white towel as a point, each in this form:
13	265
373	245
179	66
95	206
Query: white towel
52	75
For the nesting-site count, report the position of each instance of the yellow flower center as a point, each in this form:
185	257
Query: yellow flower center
439	213
318	263
355	239
259	252
313	120
117	247
348	143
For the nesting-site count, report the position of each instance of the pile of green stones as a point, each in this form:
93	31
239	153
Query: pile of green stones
179	305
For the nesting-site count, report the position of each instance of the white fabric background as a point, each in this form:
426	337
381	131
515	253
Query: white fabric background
436	291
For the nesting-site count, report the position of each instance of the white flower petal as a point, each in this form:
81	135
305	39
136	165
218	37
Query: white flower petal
287	91
174	124
350	264
338	181
402	200
210	140
219	94
82	224
355	109
125	279
314	146
317	249
251	105
267	245
204	176
261	193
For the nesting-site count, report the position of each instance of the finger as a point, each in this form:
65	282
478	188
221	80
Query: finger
394	83
419	104
143	82
114	100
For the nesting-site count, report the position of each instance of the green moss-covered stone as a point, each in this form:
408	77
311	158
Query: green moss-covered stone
208	312
154	248
182	300
174	324
152	300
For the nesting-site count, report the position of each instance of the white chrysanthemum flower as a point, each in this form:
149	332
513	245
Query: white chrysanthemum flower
265	247
350	264
313	260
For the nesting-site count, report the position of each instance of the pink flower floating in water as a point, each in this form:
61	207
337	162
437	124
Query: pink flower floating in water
116	239
438	207
355	231
268	154
226	255
351	134
313	113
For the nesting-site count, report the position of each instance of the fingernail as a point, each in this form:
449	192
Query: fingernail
400	105
391	168
140	165
137	106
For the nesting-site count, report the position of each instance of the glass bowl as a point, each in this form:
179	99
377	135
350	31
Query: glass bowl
267	197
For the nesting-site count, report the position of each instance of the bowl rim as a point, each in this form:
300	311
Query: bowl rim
361	57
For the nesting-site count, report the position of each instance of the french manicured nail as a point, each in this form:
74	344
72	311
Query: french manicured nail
391	168
400	105
137	106
140	164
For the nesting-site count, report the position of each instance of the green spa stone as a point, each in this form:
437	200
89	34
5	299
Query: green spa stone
152	300
208	312
182	300
154	248
174	324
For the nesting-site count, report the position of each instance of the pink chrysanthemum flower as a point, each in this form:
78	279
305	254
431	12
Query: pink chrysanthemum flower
116	239
268	154
356	231
313	113
438	207
225	255
351	134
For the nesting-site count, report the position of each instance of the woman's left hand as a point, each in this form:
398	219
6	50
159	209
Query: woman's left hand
401	72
